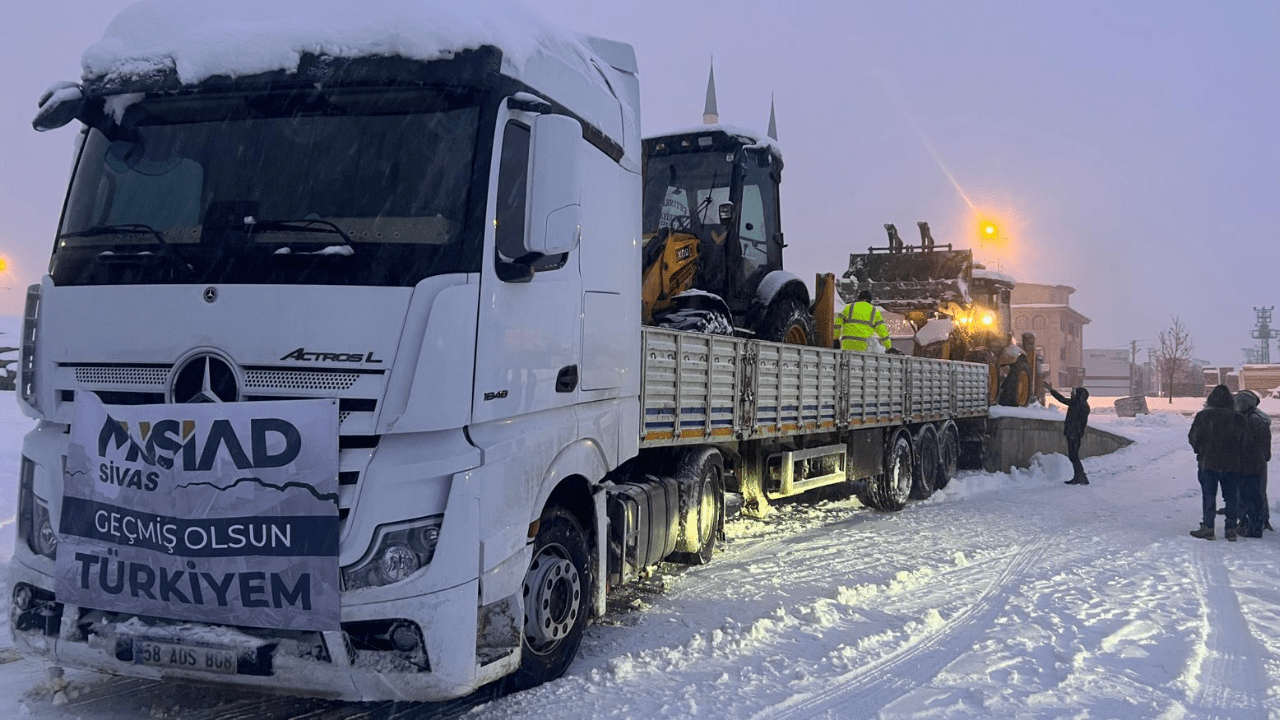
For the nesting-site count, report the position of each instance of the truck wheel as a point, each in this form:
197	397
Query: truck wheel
948	454
1016	389
890	490
924	471
701	504
557	591
788	321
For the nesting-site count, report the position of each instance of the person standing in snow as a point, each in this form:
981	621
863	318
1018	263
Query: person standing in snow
1217	436
1073	429
1254	515
856	323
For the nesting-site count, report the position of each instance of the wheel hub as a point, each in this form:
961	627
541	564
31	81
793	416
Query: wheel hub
553	599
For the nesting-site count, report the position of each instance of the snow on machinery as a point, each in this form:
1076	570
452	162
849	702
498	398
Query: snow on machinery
713	238
958	309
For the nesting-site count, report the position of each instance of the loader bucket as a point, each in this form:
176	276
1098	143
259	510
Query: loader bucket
903	281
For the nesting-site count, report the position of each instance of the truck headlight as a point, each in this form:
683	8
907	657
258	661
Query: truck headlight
27	360
397	552
34	524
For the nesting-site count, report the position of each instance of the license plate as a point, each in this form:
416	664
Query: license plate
206	658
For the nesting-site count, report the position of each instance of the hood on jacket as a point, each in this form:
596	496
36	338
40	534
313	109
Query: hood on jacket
1219	397
1080	394
1246	401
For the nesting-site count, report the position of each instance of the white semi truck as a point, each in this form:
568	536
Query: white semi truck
339	376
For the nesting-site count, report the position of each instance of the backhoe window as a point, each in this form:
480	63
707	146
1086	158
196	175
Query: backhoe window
672	181
342	186
751	230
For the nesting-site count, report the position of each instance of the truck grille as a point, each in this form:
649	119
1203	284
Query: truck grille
356	391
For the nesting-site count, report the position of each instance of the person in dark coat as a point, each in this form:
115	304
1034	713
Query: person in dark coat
1073	428
1217	436
1254	514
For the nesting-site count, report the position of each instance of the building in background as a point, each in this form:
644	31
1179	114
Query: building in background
1046	311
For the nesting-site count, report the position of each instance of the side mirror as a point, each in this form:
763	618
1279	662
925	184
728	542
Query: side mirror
59	105
555	195
726	213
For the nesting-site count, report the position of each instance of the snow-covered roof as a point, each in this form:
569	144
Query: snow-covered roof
757	137
198	40
201	39
994	275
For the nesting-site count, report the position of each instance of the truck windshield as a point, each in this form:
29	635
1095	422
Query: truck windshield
340	186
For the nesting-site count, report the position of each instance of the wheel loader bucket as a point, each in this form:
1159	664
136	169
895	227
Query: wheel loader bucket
908	280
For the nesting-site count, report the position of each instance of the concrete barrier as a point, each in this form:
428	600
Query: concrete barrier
1012	441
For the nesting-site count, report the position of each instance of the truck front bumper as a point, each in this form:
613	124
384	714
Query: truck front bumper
339	665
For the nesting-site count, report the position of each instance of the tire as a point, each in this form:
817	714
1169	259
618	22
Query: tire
557	592
787	321
890	490
1015	391
927	461
701	511
948	454
707	322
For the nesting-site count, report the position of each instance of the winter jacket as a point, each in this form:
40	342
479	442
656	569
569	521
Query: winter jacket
1077	411
1257	436
1217	433
856	323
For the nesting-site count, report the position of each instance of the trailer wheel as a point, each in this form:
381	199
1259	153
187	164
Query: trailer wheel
557	588
701	511
924	471
891	489
787	321
948	453
1016	389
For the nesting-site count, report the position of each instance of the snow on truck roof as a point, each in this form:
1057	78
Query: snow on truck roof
198	40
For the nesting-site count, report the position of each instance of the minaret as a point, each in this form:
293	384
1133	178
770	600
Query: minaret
773	120
711	116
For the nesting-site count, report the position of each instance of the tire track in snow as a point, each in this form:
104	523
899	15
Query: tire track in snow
1226	680
879	682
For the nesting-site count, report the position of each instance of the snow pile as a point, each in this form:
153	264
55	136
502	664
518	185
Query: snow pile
200	39
1003	595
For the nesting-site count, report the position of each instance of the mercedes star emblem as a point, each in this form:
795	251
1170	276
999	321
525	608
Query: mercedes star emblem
204	378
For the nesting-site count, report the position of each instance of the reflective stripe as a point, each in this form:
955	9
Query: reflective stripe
856	323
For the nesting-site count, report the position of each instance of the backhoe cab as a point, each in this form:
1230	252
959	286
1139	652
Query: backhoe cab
958	309
713	238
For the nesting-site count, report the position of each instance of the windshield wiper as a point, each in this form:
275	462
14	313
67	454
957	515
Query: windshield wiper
315	225
167	250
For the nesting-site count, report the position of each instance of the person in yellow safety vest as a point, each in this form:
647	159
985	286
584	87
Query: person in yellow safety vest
857	322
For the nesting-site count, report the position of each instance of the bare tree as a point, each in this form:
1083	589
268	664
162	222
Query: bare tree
1174	354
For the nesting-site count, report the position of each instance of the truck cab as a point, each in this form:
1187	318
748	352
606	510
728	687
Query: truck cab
435	242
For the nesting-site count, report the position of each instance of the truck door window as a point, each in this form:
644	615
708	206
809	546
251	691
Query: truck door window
513	191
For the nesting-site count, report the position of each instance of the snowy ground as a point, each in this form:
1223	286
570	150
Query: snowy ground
1004	595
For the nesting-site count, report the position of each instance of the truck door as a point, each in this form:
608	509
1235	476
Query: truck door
529	339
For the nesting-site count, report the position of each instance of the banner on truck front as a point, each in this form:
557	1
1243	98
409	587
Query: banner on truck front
219	512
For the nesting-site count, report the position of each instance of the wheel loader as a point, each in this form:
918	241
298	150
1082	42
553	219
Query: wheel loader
713	238
958	309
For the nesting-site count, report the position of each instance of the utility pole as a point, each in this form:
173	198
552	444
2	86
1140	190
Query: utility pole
1153	371
1263	333
1133	361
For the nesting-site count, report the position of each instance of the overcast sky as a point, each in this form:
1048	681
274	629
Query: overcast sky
1130	149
